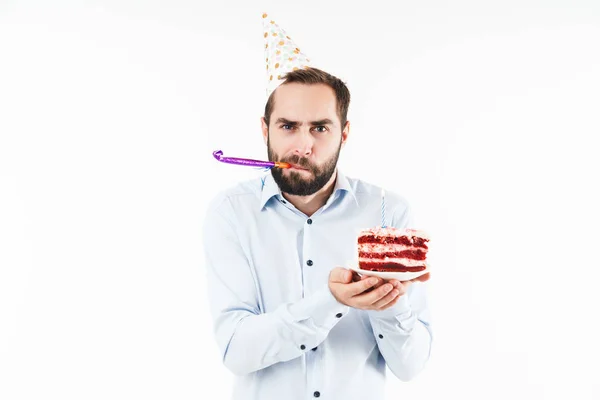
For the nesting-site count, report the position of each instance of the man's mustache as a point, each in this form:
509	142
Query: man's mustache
301	161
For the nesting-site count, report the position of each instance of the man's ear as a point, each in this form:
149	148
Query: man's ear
265	129
345	133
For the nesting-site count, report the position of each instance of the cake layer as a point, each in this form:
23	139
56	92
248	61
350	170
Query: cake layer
382	247
406	237
404	261
390	267
415	254
379	231
404	240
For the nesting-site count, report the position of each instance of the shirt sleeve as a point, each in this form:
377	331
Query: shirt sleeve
248	338
403	331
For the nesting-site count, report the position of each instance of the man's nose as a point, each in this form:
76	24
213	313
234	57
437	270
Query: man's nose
304	143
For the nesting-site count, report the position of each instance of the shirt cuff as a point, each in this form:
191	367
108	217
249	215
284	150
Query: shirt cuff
322	307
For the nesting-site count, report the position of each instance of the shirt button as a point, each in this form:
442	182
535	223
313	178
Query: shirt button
316	394
283	201
302	347
380	336
314	349
309	221
309	263
338	315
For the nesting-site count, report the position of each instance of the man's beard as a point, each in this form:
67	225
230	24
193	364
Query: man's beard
297	185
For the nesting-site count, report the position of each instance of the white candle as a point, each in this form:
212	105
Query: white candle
382	208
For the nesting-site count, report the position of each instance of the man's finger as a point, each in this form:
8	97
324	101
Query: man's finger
402	287
379	280
379	283
340	275
368	298
356	288
395	282
385	300
389	304
422	278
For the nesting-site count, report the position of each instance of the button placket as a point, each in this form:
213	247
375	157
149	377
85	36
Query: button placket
314	357
307	249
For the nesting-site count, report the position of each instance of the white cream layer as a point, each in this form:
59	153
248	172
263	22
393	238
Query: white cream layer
384	248
403	261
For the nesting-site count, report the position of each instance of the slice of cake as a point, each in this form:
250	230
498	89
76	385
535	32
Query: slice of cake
392	250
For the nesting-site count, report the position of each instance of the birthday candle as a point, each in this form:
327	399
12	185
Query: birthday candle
382	208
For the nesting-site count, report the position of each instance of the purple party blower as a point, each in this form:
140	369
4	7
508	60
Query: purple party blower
218	154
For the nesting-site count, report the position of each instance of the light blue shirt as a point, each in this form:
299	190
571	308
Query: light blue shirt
277	325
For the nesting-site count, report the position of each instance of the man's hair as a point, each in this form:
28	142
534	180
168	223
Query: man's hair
313	76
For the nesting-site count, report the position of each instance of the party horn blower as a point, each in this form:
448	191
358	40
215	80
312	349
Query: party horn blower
218	154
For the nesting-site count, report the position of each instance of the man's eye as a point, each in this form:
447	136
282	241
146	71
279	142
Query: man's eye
287	125
321	129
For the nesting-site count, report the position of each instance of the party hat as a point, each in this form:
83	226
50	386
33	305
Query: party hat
282	55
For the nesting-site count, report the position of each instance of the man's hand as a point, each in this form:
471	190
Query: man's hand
355	294
367	292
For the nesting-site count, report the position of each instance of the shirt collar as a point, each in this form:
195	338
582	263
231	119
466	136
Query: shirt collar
270	188
342	183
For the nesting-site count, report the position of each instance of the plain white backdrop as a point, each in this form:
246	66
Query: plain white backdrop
484	115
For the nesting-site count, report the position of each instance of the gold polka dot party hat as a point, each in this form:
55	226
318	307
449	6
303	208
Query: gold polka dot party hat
282	55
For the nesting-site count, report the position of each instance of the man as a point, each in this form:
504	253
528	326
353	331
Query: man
291	321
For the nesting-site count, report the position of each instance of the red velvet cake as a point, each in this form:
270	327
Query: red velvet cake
392	250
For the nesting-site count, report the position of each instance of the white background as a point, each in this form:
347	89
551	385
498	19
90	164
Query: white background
483	114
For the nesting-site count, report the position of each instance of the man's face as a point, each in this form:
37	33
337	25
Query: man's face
304	131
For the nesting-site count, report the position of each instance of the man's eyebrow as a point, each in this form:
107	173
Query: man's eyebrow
324	121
